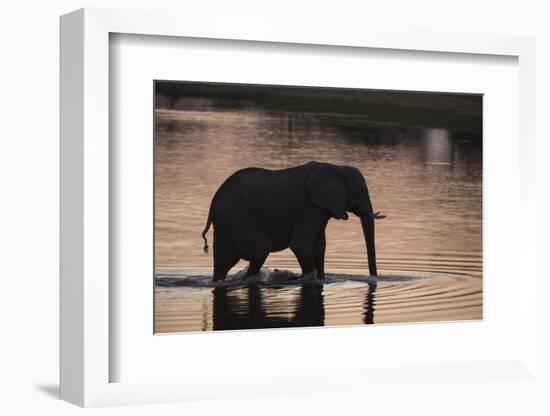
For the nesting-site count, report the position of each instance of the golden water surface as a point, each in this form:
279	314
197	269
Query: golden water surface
427	181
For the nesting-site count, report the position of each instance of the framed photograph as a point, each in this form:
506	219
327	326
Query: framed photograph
237	208
271	167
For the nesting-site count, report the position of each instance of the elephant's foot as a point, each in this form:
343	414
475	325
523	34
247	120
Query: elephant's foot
221	268
312	275
220	273
255	266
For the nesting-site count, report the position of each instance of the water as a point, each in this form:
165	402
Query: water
428	181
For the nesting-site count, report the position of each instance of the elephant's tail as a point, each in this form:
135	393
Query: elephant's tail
208	223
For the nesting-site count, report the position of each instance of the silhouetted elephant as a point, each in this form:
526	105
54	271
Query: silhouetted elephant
259	211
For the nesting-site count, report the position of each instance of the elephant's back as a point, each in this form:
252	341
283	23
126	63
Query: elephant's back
273	186
231	195
271	198
281	182
240	179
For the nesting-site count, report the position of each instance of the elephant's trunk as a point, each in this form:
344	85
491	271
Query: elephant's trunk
367	221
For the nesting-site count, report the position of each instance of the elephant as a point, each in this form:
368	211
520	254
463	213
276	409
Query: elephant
257	211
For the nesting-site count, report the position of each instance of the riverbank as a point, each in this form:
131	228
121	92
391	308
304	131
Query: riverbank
428	109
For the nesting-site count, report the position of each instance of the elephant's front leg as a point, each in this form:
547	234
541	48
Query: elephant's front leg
306	264
319	255
304	241
304	255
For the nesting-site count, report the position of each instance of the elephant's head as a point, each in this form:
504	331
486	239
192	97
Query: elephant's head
342	189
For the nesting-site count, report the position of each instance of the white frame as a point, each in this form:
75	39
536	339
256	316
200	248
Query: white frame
85	192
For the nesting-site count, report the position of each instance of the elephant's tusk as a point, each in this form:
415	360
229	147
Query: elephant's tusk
378	216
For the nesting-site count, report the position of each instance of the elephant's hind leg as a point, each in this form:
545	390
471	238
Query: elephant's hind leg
221	270
248	238
225	256
256	264
243	235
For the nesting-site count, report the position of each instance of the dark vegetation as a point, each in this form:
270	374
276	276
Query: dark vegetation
457	112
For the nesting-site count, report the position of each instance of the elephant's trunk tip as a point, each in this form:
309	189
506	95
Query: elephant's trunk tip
378	216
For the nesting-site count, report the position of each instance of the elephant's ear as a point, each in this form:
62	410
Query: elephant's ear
327	189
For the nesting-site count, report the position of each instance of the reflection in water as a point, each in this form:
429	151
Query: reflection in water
338	303
230	312
438	148
368	315
426	180
244	308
